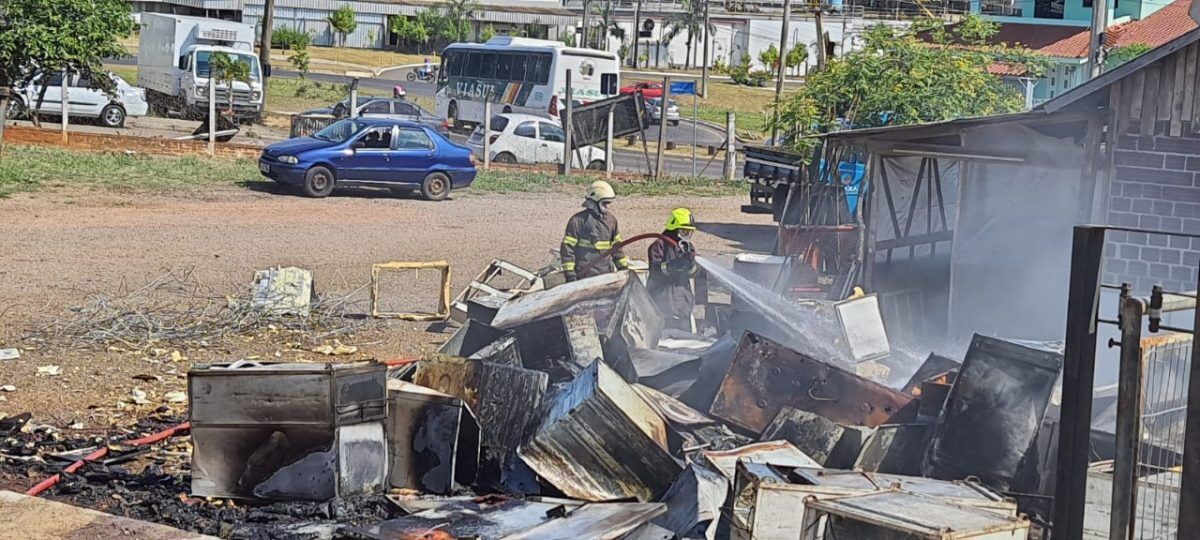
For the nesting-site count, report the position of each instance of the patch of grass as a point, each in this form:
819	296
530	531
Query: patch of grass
749	105
497	181
29	168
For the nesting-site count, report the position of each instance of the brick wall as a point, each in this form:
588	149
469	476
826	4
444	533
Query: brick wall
1155	186
78	140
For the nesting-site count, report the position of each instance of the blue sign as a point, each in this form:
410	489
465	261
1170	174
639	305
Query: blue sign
683	88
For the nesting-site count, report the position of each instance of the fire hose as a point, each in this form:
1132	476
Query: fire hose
70	469
605	255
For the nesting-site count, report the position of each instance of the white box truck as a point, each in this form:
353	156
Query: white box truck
173	65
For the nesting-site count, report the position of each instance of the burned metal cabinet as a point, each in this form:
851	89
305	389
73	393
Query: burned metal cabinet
994	410
901	515
765	377
895	449
600	441
433	440
670	372
781	453
561	346
470	338
934	364
769	499
828	443
287	431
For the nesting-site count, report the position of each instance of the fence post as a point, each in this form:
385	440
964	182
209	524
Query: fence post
1189	487
662	126
66	114
487	138
212	113
566	166
730	147
1129	410
608	146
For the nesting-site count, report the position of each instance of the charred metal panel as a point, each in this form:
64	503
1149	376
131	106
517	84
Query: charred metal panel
670	372
484	517
288	463
828	443
888	515
694	501
933	365
506	400
504	351
601	441
994	410
433	440
895	449
765	377
560	346
610	521
470	338
253	393
484	308
781	453
933	393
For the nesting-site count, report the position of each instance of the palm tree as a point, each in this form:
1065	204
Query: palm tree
609	27
457	17
690	20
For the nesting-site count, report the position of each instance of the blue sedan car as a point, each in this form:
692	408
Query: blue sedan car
371	152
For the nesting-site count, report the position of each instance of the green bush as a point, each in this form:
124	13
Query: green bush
288	38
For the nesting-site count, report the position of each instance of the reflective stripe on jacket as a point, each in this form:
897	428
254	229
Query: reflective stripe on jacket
587	236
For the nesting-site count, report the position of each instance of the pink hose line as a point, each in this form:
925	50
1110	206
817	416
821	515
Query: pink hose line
149	439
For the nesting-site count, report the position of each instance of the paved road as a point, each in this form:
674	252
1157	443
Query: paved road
680	134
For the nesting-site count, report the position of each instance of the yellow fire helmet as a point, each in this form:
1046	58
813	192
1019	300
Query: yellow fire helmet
681	218
601	191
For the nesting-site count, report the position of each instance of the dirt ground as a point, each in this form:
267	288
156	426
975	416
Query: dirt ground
63	249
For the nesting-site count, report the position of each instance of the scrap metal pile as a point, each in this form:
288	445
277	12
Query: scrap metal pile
570	412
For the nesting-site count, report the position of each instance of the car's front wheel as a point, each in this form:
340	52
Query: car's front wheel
505	157
436	186
16	109
596	165
113	116
318	182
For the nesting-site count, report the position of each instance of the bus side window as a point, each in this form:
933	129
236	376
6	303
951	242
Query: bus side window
472	65
487	66
456	60
518	67
541	74
504	67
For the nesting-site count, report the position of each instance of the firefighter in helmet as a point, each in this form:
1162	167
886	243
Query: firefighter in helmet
671	270
590	233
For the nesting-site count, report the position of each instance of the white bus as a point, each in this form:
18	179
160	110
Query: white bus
520	75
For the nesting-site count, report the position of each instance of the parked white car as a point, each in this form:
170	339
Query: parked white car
654	106
524	138
84	101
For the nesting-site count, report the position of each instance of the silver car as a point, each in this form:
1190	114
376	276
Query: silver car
654	106
390	108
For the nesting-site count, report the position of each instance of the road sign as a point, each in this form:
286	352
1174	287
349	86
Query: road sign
681	88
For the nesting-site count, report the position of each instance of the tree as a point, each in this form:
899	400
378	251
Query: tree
456	18
796	57
1119	55
487	33
343	21
300	60
769	57
568	39
371	35
896	79
59	35
690	20
225	70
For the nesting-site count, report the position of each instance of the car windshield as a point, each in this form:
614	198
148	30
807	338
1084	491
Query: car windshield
339	132
202	63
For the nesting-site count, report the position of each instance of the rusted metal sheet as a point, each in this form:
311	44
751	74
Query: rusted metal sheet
994	410
781	453
433	440
601	441
765	377
609	521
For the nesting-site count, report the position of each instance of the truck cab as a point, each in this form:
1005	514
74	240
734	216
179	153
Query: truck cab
247	96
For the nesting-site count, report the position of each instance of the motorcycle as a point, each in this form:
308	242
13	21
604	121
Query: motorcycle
416	75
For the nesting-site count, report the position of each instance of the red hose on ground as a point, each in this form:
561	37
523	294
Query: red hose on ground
622	244
149	439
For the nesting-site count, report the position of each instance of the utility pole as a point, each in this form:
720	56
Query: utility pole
822	39
586	11
662	126
1096	46
637	30
704	69
567	138
264	47
783	35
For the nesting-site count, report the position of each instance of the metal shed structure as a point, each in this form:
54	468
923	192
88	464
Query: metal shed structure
969	225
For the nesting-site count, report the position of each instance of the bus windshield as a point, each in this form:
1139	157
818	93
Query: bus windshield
203	57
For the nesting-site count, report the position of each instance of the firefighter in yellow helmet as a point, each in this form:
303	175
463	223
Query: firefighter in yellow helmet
591	232
671	271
